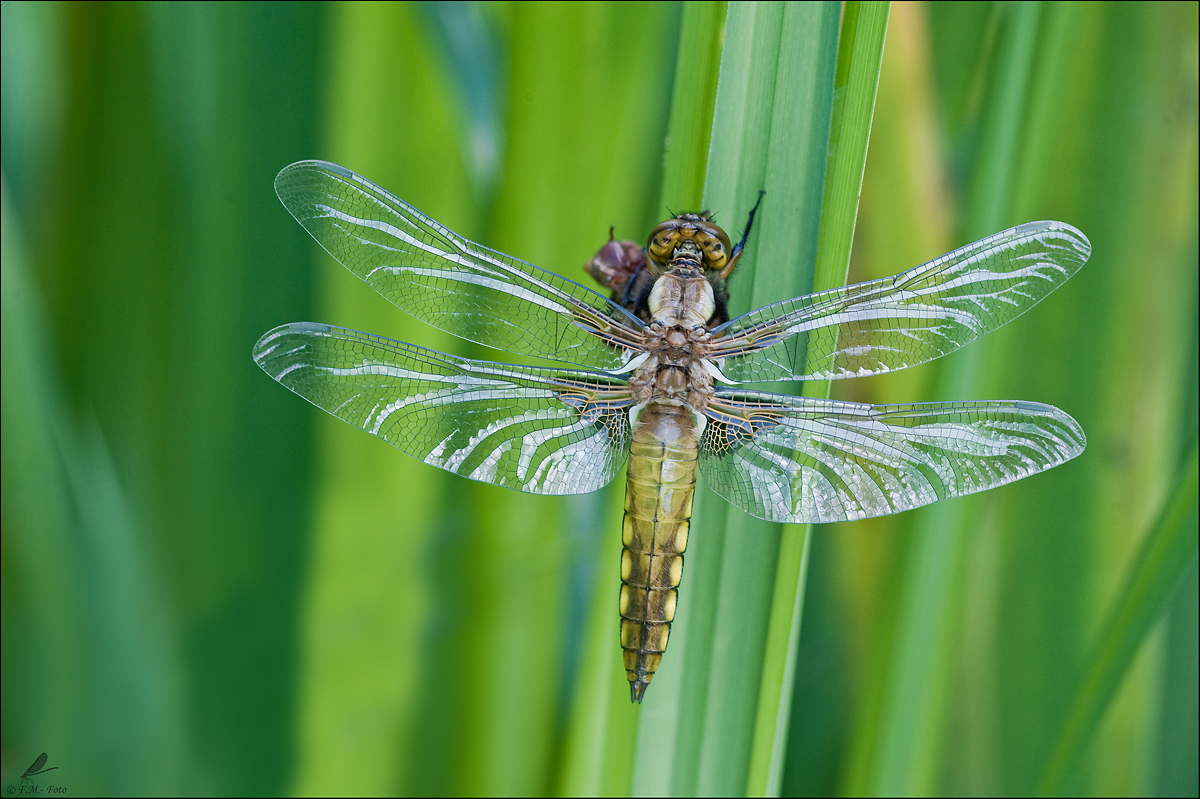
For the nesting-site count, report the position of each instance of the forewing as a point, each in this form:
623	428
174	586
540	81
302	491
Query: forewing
453	284
543	431
794	459
906	319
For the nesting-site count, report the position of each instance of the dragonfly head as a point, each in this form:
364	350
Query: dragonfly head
694	235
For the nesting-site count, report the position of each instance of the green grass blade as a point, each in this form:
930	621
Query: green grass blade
850	629
1067	541
770	132
1166	554
794	163
86	608
376	514
693	99
473	611
604	126
601	731
769	749
990	202
918	687
601	735
860	55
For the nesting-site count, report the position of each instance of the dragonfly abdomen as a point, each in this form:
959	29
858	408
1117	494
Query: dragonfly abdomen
658	509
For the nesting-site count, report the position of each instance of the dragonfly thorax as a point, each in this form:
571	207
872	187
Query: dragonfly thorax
677	340
675	371
682	297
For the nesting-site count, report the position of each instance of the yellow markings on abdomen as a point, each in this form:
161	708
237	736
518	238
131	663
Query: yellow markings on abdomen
658	509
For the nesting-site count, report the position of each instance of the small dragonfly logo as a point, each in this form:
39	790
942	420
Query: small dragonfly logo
36	768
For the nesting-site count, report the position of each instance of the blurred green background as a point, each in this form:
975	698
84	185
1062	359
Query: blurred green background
211	587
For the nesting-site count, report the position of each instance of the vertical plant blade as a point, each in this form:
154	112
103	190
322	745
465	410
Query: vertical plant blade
793	172
94	622
770	132
860	55
693	99
1166	554
472	609
600	755
1036	555
377	517
1066	541
915	700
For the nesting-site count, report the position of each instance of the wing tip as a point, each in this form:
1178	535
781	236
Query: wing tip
1077	240
302	169
314	164
268	342
1076	436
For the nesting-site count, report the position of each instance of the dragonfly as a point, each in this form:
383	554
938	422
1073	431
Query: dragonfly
655	376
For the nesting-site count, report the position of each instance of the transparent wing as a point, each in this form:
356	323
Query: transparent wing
794	459
453	284
906	319
543	431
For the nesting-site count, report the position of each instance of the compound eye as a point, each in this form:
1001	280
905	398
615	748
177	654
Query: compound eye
716	254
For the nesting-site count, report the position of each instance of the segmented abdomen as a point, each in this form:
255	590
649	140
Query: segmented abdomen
658	509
